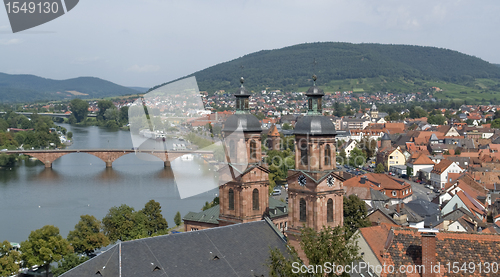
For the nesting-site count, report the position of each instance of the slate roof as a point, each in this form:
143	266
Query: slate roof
208	216
277	208
234	250
314	125
423	208
242	122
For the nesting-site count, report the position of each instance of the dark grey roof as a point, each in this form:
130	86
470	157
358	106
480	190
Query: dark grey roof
314	90
208	216
247	123
314	125
386	137
234	250
242	91
424	208
277	208
378	196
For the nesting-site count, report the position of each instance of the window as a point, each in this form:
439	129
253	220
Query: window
329	210
302	210
394	193
253	150
328	153
232	151
303	154
231	199
255	199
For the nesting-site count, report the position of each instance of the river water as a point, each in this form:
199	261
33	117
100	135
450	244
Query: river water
32	196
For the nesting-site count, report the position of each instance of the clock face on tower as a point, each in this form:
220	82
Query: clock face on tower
330	181
302	180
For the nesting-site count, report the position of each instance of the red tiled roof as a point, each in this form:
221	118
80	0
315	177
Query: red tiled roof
422	159
273	131
441	167
403	247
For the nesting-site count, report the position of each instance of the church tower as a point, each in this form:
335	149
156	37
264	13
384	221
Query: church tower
315	190
273	138
243	191
374	112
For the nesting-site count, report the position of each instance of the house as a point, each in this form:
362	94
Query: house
427	210
348	147
234	250
416	251
439	173
463	200
418	162
464	183
396	189
391	157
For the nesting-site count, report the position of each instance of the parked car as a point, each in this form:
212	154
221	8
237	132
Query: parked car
276	192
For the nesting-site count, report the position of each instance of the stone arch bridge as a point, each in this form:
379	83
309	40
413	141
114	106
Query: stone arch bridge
108	156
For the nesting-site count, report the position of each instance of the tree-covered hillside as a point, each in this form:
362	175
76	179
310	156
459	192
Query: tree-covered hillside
29	88
291	67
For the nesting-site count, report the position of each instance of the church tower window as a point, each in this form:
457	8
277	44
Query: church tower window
328	155
329	210
255	199
231	199
302	210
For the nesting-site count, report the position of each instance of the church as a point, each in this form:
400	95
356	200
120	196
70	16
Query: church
315	188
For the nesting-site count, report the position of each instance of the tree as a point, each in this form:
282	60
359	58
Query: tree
68	262
177	219
355	214
212	204
112	114
87	236
458	151
331	245
156	224
103	105
79	109
380	168
495	123
8	259
124	115
286	126
368	146
124	223
43	247
357	157
69	135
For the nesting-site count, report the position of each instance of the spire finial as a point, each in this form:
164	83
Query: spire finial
314	79
242	80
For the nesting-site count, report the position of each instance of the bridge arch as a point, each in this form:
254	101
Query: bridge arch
107	156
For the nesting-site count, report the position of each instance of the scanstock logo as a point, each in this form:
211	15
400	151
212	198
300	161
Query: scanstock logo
158	118
26	14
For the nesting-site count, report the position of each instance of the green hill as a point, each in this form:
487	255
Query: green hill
30	88
290	68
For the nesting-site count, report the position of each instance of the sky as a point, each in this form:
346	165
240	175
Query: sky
148	42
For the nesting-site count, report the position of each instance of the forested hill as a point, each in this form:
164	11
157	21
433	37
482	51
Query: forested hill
291	67
29	88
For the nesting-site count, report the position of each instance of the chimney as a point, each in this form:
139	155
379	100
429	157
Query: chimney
428	254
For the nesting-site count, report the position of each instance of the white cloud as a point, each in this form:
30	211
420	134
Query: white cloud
10	41
144	68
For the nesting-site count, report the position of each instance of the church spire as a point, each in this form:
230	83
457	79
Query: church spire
242	98
314	97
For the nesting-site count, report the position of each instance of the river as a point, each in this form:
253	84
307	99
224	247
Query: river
32	196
